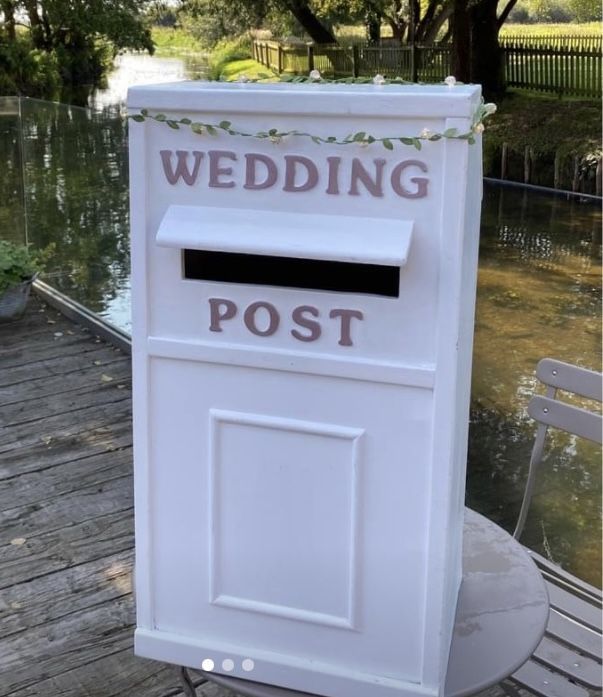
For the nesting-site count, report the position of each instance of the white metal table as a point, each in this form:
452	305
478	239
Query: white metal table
501	615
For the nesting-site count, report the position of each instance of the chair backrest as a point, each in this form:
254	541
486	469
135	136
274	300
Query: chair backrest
548	410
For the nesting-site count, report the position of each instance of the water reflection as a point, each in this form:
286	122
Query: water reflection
539	295
140	69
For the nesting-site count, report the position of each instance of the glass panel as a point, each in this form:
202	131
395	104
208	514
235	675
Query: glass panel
12	205
76	195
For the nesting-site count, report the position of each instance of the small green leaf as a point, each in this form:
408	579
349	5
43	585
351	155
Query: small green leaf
471	140
407	141
137	117
225	125
197	128
186	122
450	132
371	139
387	144
331	139
417	143
172	124
211	130
160	117
272	132
359	137
435	136
144	112
316	139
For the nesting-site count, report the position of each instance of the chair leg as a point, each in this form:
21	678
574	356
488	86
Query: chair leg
187	684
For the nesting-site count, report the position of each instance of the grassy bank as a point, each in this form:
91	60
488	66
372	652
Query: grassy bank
551	129
174	42
569	29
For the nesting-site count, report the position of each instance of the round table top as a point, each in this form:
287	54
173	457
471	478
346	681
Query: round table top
500	619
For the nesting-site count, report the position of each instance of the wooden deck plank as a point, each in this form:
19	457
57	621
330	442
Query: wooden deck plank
85	429
117	371
58	365
52	552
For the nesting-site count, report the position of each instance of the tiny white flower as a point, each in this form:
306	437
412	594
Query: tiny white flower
489	109
315	75
275	139
425	133
243	78
450	81
378	80
479	128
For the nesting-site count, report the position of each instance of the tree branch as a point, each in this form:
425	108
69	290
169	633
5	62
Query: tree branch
504	15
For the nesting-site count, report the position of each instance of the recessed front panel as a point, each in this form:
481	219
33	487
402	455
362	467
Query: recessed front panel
283	507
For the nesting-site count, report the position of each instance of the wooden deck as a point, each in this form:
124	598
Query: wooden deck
66	545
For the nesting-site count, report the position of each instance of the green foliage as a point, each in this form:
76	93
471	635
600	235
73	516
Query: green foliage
226	51
19	263
551	11
71	41
30	71
211	21
168	40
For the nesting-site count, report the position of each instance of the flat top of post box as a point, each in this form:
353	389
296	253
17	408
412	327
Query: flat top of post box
308	99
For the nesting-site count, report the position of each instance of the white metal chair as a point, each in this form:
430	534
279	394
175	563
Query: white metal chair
567	663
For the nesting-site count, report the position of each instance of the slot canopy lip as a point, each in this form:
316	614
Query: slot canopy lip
351	239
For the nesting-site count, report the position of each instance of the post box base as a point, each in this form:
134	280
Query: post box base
273	668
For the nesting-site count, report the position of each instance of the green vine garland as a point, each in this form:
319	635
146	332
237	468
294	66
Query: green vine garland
360	138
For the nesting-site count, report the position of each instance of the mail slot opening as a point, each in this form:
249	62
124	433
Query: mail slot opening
288	272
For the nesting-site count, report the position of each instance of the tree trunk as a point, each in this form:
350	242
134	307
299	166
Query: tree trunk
461	33
486	55
310	22
8	10
37	31
373	28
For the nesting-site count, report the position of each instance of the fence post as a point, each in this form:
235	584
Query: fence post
526	165
576	178
557	171
598	177
355	60
280	59
503	161
310	58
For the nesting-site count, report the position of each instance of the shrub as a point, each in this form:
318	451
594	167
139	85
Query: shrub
27	71
226	51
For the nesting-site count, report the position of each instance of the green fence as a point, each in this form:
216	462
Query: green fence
564	65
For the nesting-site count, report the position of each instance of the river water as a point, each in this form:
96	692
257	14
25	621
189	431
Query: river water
539	294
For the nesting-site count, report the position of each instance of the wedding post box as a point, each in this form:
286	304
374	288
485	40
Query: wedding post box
304	265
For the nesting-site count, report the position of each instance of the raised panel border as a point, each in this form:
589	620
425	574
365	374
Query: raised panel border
220	416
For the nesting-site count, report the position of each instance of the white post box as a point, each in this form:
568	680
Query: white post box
302	333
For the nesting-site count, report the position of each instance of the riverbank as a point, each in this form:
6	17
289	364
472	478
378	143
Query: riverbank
545	141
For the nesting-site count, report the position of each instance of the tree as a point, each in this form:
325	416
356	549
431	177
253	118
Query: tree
476	52
84	35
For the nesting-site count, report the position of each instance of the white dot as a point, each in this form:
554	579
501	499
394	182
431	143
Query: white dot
248	665
227	664
207	664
